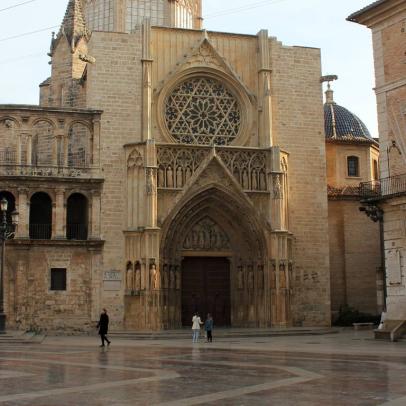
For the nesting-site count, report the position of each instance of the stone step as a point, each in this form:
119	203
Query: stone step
219	333
21	337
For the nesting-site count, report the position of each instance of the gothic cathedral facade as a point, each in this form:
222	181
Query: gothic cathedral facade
168	170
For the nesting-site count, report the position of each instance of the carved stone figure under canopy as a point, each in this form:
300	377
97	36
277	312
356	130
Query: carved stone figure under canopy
240	276
165	276
251	277
261	277
153	276
137	276
129	276
172	276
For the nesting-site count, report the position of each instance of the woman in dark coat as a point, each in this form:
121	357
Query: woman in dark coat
103	326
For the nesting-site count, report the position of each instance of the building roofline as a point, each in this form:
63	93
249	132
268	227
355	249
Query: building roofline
372	14
29	107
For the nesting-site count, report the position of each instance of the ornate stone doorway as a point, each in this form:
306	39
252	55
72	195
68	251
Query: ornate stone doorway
206	289
218	261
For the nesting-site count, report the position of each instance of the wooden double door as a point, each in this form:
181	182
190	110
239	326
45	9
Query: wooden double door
206	289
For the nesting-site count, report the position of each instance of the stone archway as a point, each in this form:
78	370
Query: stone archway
216	223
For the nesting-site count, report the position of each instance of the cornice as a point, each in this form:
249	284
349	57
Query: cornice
378	12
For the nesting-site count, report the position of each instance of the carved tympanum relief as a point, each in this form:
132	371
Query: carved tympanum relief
201	110
208	236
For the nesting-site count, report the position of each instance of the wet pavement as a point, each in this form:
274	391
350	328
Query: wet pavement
337	369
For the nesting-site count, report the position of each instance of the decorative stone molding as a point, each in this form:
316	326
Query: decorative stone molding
135	159
206	235
203	111
177	164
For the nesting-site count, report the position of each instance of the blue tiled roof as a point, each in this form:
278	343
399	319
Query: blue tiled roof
341	124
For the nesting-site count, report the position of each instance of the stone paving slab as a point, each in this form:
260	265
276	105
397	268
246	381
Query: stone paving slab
342	369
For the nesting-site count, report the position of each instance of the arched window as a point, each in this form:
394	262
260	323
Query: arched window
10	208
8	142
42	143
353	166
77	217
78	146
40	216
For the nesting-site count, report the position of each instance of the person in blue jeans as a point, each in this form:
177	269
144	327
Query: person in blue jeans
208	327
197	322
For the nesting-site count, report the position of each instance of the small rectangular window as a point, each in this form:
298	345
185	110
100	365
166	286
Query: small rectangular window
58	279
353	166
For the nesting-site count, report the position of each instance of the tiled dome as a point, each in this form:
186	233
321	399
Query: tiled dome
341	124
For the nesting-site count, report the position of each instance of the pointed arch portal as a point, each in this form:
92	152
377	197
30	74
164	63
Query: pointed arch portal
214	245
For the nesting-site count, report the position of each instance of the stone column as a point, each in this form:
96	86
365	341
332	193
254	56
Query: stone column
24	214
119	10
29	149
18	152
65	150
146	79
95	216
55	150
60	215
265	71
96	143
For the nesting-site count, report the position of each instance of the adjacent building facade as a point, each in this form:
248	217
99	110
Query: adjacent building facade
352	157
386	197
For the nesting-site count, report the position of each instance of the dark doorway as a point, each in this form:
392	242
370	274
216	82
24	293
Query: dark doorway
206	289
40	216
76	217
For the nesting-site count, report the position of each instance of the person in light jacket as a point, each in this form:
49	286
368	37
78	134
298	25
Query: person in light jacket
196	323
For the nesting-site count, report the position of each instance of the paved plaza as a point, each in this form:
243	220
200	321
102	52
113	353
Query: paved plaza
348	368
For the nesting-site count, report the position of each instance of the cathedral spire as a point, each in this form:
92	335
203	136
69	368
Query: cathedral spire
73	26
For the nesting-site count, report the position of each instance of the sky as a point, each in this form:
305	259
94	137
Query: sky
346	47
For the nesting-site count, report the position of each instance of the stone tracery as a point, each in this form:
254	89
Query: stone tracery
176	165
202	110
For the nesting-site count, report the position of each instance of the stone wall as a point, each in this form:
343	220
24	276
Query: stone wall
114	85
388	32
31	304
354	258
298	126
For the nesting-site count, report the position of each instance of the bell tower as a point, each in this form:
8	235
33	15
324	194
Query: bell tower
126	15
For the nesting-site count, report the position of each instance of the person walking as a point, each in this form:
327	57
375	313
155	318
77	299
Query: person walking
196	323
208	327
103	326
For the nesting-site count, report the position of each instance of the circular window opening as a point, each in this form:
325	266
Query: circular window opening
203	111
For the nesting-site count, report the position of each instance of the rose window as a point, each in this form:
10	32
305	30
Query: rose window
203	111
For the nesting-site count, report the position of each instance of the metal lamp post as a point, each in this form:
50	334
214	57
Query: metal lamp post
6	233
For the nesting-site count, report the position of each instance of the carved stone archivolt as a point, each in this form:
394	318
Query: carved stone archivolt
202	110
206	235
176	165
